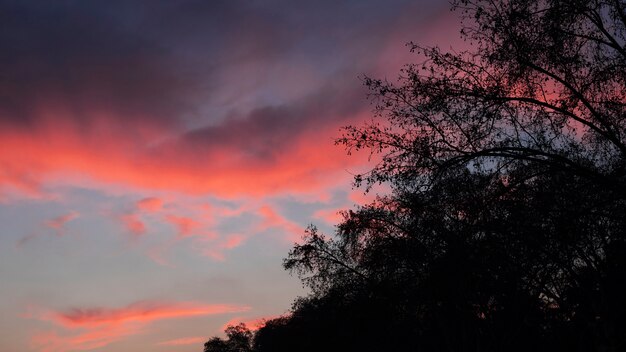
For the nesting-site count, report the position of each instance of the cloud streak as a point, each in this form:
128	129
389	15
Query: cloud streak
58	223
272	219
89	328
143	311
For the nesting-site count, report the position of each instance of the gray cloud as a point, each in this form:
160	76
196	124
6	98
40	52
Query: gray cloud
229	64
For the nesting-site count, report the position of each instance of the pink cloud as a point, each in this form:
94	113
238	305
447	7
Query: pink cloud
59	150
254	323
150	204
216	249
330	216
89	328
271	219
133	223
143	311
224	211
52	341
59	222
115	130
186	226
19	179
233	241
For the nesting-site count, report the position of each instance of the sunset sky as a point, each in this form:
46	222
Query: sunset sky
158	159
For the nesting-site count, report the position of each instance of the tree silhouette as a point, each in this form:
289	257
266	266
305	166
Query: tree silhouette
239	339
504	229
544	86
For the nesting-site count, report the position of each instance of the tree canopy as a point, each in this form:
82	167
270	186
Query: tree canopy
504	229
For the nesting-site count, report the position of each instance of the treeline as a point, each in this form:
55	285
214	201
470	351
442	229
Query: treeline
505	229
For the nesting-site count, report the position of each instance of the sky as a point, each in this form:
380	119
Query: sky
158	159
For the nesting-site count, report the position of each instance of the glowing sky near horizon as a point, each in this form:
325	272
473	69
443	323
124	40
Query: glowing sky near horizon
158	159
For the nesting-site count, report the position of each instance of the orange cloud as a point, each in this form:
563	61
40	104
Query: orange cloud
58	150
89	328
53	342
137	312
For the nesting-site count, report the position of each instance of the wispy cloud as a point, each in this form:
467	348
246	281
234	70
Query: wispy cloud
143	311
216	249
133	223
58	223
185	226
330	216
272	219
89	328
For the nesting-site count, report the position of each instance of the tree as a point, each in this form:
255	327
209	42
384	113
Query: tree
239	339
544	85
215	344
504	228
